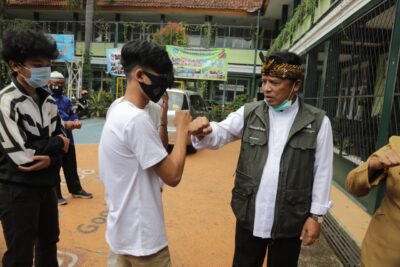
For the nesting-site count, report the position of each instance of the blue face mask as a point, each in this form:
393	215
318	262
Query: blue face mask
284	105
39	76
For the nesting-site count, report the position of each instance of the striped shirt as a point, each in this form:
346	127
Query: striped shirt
27	128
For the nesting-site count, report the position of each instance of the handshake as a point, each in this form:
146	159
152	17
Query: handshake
199	127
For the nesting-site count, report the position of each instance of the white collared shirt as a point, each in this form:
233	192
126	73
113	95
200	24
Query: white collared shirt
280	124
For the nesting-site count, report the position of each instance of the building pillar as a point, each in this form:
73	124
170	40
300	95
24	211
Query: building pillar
116	35
36	16
310	75
330	76
162	21
75	26
284	15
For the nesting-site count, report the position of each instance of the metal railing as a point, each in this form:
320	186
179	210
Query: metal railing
350	82
195	35
350	76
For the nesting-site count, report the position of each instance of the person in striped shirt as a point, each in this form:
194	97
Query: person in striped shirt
32	143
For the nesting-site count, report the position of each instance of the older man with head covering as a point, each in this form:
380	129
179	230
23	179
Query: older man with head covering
284	173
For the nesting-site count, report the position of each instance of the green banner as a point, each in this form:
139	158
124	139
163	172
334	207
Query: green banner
202	64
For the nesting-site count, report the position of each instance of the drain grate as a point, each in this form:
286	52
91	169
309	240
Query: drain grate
343	245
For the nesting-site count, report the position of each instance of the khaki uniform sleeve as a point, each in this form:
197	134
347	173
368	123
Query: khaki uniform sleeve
357	181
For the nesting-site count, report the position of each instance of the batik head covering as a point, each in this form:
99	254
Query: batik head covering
275	66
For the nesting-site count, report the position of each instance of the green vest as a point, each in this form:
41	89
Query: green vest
293	200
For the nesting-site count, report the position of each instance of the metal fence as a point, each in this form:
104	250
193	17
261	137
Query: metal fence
349	80
194	35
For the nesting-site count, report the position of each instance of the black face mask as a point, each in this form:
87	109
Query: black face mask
158	86
57	89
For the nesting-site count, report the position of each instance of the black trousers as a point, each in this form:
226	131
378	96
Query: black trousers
250	251
70	167
29	217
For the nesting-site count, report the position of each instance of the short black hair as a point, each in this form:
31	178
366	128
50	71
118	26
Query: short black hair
286	57
145	54
22	44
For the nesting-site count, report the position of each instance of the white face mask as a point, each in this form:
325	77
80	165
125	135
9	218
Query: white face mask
39	76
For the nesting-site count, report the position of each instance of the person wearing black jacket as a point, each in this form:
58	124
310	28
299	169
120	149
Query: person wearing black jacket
32	144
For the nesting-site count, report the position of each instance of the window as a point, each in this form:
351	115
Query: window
177	101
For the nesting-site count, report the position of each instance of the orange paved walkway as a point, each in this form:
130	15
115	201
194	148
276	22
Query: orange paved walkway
198	217
199	222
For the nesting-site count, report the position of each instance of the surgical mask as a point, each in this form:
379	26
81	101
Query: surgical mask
39	76
157	88
284	105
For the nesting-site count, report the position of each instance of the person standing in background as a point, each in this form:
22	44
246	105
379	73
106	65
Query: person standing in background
71	122
381	245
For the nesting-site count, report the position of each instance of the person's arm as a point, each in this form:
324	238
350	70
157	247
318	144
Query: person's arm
70	120
48	151
144	141
323	170
71	115
323	166
14	144
171	168
163	127
371	173
214	135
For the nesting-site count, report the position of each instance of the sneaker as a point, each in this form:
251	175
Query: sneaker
82	194
62	201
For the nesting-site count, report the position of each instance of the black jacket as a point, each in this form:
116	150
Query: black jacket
28	128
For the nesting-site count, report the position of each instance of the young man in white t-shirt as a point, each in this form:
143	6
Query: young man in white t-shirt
132	159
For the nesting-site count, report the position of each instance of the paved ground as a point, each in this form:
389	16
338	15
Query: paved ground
198	217
90	132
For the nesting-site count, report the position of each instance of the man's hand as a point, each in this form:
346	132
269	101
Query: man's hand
69	125
77	124
310	232
390	158
164	104
66	143
41	162
200	127
182	120
164	109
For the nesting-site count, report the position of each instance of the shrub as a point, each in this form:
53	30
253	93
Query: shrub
219	113
99	102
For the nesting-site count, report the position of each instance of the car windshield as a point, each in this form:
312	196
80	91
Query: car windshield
177	101
197	103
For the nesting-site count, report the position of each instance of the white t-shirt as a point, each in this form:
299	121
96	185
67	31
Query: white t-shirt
129	147
152	108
